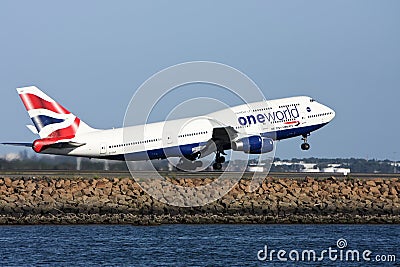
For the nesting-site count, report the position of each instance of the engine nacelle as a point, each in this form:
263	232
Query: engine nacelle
253	145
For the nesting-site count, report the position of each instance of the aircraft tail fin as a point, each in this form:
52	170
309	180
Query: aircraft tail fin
50	119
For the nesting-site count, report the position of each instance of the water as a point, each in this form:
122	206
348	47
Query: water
189	245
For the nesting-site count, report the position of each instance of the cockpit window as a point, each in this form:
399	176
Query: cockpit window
312	100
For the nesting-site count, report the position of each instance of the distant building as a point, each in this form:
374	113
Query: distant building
396	166
312	167
345	171
255	167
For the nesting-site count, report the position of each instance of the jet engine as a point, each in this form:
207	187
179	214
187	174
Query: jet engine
253	145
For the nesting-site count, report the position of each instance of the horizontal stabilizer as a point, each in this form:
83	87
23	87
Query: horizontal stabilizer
40	145
18	144
65	145
32	128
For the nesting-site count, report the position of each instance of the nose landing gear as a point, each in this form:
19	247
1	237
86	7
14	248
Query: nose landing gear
305	145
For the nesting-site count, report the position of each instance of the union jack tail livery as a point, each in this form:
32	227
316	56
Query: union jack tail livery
57	127
50	119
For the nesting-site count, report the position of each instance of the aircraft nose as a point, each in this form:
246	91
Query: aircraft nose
332	113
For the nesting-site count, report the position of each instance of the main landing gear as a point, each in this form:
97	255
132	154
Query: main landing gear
218	161
305	145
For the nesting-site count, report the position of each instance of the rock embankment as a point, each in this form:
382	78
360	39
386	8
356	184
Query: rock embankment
121	200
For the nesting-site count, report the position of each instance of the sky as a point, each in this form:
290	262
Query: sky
91	56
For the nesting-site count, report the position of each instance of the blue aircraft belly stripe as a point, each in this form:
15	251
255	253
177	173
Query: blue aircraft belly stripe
288	133
162	153
186	150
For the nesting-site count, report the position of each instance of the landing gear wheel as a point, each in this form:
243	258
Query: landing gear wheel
220	159
217	166
305	146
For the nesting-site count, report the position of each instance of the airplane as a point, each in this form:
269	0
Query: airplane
251	128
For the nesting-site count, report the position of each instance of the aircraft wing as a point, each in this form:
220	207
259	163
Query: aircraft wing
220	141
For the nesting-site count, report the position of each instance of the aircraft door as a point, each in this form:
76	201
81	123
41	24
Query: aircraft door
169	138
103	149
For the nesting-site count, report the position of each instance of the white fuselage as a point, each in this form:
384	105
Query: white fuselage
276	119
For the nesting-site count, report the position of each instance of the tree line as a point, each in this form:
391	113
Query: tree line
43	162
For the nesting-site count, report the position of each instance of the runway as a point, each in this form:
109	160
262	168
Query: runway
174	174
